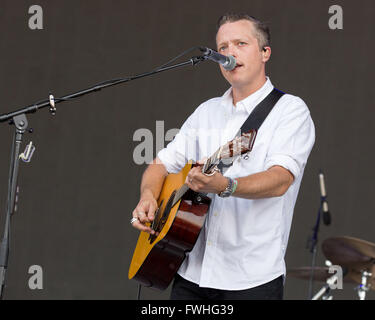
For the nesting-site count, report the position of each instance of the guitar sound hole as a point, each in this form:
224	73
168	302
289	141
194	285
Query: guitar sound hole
161	219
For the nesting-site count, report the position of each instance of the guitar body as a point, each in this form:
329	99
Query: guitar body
157	258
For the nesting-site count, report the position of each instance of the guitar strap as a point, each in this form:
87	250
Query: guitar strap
255	120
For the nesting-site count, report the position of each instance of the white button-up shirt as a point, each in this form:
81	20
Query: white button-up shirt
242	243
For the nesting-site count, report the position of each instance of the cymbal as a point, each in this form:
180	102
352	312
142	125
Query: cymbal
350	252
320	274
354	254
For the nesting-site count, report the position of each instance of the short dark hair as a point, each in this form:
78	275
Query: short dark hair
262	30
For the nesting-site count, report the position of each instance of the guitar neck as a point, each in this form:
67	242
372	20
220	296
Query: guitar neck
179	194
212	161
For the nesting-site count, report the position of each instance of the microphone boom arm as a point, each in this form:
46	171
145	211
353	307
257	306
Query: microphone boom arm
45	103
19	120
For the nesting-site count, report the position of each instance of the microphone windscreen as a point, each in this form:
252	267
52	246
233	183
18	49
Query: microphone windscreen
231	64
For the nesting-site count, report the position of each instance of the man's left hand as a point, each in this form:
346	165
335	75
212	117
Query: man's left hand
199	182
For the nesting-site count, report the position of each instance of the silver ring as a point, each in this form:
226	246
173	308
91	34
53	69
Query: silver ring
133	220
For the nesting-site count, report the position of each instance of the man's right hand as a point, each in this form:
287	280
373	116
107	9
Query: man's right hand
152	182
144	212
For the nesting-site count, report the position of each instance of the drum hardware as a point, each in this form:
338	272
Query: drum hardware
358	256
364	286
322	274
324	292
355	256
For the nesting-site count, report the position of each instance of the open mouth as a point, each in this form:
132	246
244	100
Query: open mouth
237	66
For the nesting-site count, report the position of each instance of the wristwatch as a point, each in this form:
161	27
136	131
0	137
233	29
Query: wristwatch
228	190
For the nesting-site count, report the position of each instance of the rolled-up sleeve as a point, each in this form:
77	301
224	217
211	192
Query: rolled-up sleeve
293	139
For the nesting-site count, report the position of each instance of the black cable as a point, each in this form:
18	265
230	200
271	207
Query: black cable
112	81
139	292
177	57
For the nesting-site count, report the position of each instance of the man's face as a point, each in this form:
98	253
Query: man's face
237	39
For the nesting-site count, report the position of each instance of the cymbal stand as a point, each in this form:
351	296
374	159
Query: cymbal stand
363	287
324	292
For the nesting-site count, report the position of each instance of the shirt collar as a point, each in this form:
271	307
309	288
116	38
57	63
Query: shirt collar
252	100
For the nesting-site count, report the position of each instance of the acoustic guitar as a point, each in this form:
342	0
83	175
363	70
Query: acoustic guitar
178	220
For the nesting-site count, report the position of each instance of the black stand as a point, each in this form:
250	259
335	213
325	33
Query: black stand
18	118
313	241
20	123
139	292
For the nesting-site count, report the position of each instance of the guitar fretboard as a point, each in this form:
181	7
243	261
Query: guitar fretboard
211	161
180	193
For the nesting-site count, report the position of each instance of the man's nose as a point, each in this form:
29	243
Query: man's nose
232	51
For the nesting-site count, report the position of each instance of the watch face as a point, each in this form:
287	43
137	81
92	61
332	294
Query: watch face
225	194
228	191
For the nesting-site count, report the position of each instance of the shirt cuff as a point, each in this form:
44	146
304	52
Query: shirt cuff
284	161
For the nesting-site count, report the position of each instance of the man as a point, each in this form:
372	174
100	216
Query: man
240	250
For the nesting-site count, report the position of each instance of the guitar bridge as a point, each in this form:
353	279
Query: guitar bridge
161	220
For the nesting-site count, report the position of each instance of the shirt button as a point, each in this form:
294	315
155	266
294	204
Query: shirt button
209	243
215	214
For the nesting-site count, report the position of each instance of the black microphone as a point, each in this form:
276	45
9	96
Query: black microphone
326	214
228	62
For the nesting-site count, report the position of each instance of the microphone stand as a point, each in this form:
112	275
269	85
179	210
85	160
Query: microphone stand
19	120
20	123
312	244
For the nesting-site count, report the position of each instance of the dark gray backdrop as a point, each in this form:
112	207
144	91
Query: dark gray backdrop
78	193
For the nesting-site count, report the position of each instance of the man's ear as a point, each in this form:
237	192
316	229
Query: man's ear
266	52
